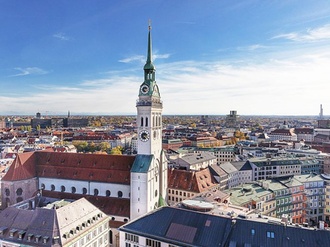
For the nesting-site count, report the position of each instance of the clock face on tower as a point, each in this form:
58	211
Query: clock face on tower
144	135
144	89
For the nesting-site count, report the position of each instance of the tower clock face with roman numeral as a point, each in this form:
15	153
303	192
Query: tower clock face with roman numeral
144	135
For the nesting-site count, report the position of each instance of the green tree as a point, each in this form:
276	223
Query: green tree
116	150
92	147
81	146
105	147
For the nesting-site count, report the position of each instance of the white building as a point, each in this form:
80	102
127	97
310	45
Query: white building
44	221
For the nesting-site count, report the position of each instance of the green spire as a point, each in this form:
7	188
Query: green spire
149	65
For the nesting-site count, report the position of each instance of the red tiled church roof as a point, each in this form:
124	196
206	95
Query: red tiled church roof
73	166
23	167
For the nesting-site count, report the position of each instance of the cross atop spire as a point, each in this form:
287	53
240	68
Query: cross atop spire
149	27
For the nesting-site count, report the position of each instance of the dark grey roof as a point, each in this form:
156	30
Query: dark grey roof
181	227
190	228
246	166
35	222
254	233
241	165
141	163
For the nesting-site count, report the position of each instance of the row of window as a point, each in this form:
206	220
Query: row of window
84	190
181	193
269	234
130	238
19	192
156	121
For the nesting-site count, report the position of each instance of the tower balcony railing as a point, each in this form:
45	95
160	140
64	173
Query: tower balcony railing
153	102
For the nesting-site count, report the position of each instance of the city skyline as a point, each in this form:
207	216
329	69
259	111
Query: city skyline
255	57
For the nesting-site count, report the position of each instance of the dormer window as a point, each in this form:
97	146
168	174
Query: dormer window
29	237
45	239
37	238
21	235
12	232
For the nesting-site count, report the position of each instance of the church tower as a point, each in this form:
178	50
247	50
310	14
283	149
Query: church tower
149	171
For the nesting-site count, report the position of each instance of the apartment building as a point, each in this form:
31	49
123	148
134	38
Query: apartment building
267	168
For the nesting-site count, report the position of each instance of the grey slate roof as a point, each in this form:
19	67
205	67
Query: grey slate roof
283	235
142	163
33	222
196	158
181	227
242	165
45	224
190	228
228	167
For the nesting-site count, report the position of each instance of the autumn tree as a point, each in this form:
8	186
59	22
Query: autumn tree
81	146
116	150
105	147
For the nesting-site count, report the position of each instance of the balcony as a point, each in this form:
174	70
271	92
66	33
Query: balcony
156	103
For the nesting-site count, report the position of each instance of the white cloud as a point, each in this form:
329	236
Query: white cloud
142	59
138	58
289	83
30	71
316	34
252	47
61	36
160	56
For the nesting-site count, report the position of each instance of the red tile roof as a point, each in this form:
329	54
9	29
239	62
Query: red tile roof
23	167
190	181
92	167
74	166
109	205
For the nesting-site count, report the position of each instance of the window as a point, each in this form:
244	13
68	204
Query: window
7	192
270	235
131	238
84	191
120	194
253	232
110	237
96	192
62	188
52	187
152	243
73	190
108	193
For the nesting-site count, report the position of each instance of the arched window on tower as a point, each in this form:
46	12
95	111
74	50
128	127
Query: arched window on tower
153	121
19	191
146	121
141	121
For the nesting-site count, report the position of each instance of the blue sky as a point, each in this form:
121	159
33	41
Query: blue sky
212	56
